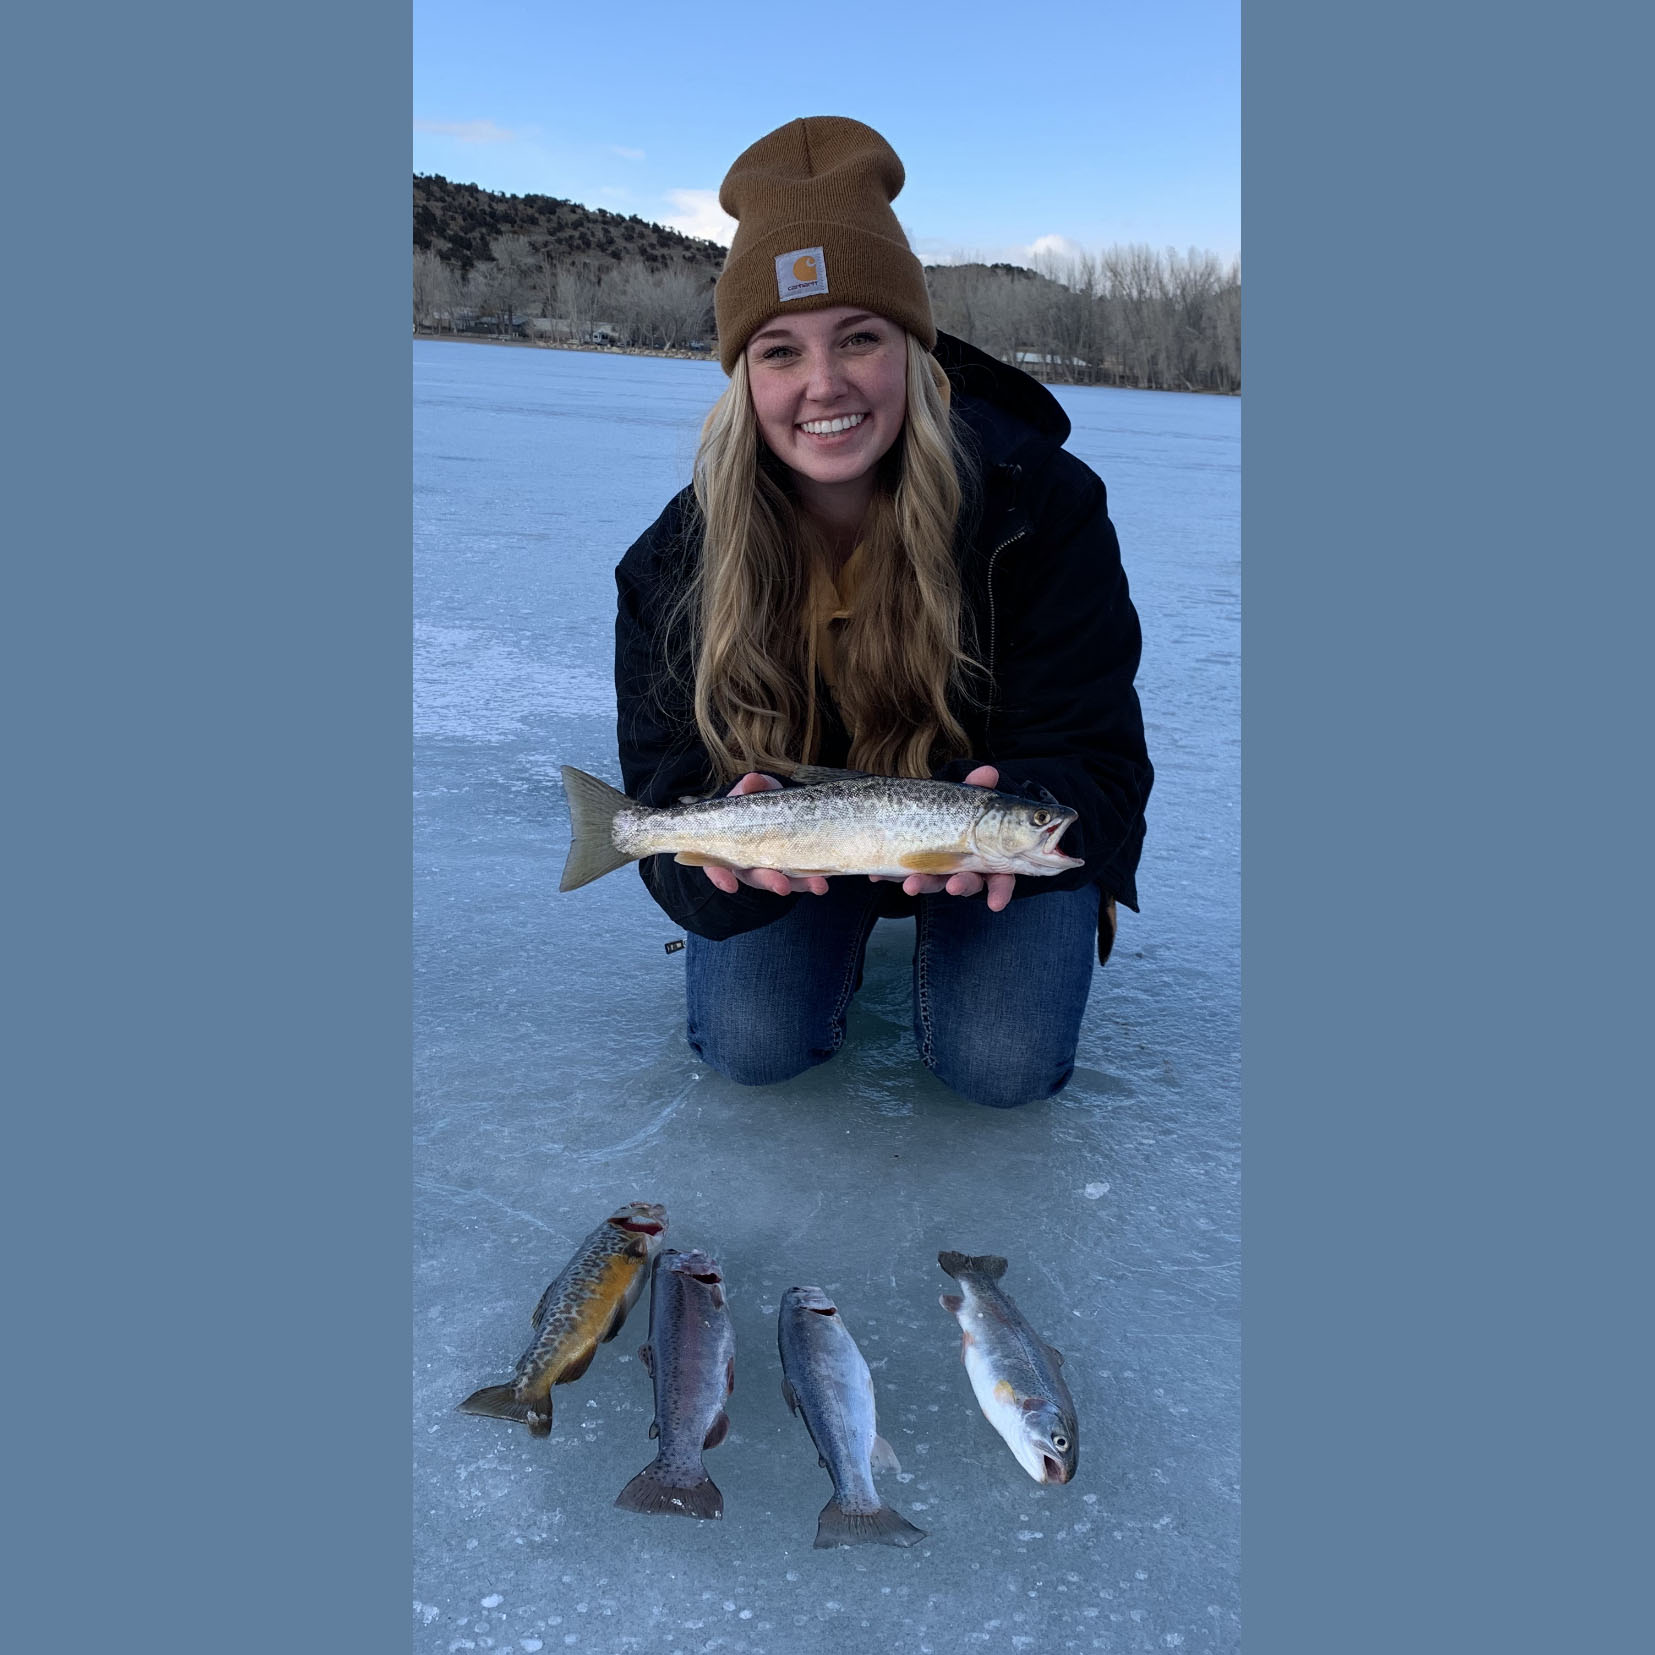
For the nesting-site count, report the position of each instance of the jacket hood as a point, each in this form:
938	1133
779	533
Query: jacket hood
1013	417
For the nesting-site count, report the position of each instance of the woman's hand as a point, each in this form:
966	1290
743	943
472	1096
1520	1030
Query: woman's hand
965	884
762	879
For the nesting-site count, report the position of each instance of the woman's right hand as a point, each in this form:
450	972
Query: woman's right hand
762	879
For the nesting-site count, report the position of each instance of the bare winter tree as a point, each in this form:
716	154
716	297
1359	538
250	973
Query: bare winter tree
436	291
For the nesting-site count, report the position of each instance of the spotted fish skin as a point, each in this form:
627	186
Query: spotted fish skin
1015	1374
691	1360
581	1309
850	824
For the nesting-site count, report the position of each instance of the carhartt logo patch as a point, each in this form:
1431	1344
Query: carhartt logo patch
801	273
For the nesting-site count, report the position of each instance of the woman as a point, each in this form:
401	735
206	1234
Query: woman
887	563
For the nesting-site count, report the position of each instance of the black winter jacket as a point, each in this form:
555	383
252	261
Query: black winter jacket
1047	612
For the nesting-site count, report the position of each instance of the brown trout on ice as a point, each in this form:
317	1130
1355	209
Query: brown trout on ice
582	1309
691	1358
1013	1370
841	822
825	1377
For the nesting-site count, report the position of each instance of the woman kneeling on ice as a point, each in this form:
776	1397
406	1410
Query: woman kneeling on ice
886	563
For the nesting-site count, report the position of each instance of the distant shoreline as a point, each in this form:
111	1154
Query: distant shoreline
566	345
708	356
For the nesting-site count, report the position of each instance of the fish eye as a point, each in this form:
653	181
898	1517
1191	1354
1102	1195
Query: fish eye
1041	818
1060	1443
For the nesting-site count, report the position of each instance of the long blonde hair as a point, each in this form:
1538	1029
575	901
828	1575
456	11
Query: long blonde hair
902	664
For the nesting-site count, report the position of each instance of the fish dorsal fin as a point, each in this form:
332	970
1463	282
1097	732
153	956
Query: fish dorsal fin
542	1309
789	1395
883	1457
809	775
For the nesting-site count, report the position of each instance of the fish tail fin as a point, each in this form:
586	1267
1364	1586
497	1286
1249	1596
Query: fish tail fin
500	1402
592	807
650	1493
885	1527
988	1265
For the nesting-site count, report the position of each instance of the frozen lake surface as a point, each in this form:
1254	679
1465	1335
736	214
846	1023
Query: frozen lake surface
554	1083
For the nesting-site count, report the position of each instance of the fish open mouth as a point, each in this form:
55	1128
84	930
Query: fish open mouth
1054	1470
642	1226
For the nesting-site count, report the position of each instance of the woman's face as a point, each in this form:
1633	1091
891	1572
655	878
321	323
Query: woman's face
829	389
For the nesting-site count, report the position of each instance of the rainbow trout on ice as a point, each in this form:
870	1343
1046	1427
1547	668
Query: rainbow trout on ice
691	1358
825	1378
582	1308
1013	1370
841	822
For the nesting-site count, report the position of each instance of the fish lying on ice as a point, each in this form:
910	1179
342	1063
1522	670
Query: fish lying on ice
825	1378
1014	1372
852	824
691	1358
582	1308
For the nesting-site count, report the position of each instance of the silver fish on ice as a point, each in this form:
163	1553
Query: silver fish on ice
841	822
1014	1372
691	1358
825	1378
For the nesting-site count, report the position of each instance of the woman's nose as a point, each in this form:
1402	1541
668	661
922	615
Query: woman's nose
822	379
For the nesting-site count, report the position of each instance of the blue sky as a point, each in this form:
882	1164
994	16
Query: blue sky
1021	126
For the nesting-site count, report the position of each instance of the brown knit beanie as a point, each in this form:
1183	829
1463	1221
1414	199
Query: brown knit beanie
813	200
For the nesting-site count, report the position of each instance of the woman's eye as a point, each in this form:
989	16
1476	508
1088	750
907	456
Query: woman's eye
775	352
862	339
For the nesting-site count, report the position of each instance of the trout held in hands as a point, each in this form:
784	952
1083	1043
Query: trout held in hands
849	824
691	1357
582	1308
1013	1370
825	1378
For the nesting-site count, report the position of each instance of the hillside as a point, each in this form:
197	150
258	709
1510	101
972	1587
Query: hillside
459	221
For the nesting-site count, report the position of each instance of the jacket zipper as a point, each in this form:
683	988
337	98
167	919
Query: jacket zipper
993	558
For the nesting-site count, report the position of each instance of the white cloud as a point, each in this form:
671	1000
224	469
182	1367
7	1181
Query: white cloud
627	154
468	132
1057	247
697	213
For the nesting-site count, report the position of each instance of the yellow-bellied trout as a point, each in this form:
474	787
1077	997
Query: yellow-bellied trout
841	822
691	1358
825	1378
1013	1371
585	1306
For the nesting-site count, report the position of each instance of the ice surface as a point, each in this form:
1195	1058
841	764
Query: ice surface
554	1083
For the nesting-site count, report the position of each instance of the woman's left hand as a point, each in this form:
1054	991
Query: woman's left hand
966	884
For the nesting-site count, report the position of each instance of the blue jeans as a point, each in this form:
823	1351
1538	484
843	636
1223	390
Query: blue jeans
998	998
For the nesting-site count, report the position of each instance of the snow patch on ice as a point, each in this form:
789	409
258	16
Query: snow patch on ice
471	688
1093	1191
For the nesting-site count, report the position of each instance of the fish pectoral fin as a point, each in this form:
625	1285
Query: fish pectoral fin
654	1429
1055	1354
933	861
953	1303
883	1457
696	859
647	1357
810	873
790	1396
717	1431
